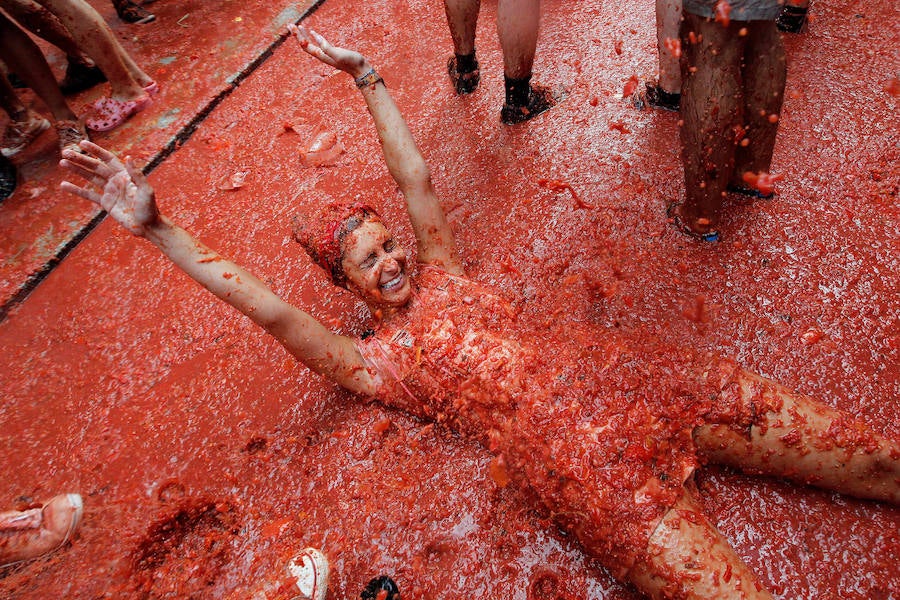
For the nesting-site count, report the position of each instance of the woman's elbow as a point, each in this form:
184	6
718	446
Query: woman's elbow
274	317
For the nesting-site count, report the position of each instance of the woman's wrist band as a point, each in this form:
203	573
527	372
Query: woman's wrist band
370	78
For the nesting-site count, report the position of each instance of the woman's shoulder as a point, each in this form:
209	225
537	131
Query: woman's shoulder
429	275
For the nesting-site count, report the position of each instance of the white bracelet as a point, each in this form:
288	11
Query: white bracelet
370	78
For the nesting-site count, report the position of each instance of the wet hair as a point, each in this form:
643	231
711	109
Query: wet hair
322	234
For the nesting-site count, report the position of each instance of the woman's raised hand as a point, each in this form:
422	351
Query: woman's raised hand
349	61
124	192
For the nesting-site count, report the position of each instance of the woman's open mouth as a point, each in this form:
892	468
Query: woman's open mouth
394	283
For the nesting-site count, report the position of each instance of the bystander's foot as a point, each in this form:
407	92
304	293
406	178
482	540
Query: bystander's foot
130	12
381	588
540	100
7	178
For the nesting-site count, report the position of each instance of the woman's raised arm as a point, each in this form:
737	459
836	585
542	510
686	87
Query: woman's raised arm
129	199
436	244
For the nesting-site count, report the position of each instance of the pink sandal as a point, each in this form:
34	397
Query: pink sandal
152	88
109	113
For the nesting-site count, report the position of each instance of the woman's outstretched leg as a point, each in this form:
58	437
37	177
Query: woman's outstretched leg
688	558
129	86
795	437
42	22
81	72
93	36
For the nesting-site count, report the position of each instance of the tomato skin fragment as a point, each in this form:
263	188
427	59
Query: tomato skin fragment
381	425
498	471
673	45
723	13
630	86
762	181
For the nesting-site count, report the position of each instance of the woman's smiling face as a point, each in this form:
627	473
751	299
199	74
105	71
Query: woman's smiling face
375	266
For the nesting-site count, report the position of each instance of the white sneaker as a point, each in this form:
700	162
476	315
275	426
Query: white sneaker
310	568
37	531
19	134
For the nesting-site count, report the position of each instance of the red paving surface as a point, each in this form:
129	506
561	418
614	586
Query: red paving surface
127	383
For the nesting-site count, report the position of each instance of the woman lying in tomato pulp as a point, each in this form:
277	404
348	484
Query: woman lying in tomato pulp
604	435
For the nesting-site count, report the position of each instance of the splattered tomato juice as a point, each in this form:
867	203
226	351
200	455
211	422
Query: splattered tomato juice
207	456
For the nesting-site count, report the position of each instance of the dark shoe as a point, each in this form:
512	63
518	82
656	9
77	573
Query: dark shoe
463	83
792	19
80	77
540	99
378	585
748	191
71	134
7	178
15	81
130	12
675	219
657	97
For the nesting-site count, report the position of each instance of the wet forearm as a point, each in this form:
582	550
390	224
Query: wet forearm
304	337
404	161
224	278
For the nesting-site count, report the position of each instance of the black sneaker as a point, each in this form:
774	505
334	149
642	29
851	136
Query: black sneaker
7	178
792	19
657	97
463	83
80	77
540	99
381	584
130	12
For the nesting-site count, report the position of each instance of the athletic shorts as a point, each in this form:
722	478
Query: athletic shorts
741	10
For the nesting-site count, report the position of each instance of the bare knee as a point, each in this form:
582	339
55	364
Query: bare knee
688	558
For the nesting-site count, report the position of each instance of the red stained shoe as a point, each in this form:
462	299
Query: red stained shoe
19	134
70	133
673	217
31	533
109	113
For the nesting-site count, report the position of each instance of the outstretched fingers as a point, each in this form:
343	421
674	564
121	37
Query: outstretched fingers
98	151
85	193
85	173
322	42
95	170
137	176
312	43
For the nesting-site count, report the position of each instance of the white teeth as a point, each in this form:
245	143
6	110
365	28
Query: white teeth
393	282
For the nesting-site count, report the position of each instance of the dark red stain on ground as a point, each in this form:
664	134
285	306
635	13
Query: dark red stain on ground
207	456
